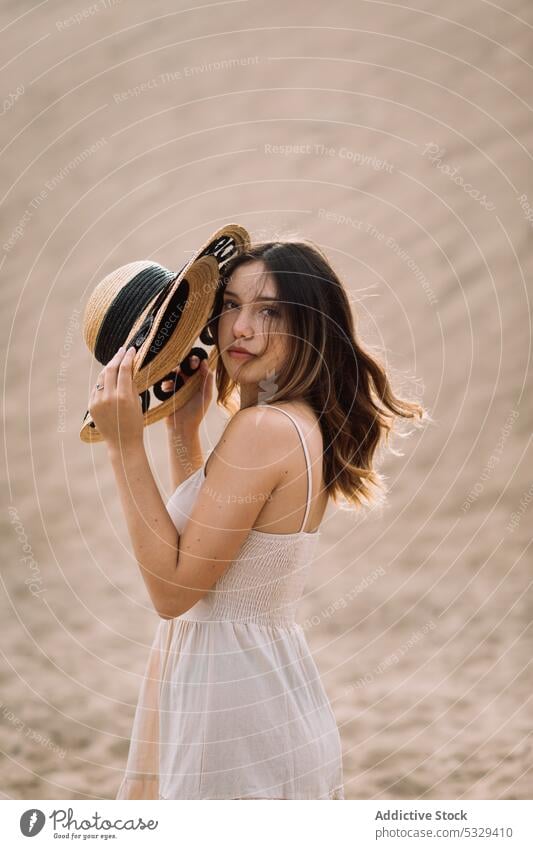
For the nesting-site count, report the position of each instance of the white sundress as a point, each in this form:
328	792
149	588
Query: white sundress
231	705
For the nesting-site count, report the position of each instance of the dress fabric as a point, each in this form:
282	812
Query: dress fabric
231	705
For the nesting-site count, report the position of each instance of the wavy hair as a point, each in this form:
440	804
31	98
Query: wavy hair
345	384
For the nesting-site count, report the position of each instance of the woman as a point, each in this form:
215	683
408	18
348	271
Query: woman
231	705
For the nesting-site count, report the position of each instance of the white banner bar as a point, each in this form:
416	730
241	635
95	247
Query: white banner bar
269	825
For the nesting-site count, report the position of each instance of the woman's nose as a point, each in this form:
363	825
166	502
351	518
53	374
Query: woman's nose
242	326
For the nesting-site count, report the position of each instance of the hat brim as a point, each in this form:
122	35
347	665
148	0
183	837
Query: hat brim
165	408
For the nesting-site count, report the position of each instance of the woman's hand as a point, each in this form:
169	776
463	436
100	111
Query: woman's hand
189	417
116	409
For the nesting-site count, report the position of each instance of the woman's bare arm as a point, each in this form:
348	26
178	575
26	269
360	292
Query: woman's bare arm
184	453
153	534
247	466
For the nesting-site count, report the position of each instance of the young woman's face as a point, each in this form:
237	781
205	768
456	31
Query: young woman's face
249	310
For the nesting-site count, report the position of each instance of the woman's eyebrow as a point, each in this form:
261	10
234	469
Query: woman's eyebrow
266	298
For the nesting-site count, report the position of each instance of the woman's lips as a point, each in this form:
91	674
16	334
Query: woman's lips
240	355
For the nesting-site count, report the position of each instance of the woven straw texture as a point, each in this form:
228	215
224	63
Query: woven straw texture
202	274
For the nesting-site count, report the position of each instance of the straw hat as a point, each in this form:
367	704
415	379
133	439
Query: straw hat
161	313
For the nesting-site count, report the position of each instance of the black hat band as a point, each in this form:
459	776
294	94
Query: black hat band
166	324
126	307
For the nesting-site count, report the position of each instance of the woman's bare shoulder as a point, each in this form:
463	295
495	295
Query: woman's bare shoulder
252	438
306	420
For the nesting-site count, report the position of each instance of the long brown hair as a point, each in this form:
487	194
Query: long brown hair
346	385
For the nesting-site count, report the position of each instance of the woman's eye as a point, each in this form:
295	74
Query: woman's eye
231	305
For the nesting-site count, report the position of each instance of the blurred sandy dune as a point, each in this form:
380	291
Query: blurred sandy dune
133	131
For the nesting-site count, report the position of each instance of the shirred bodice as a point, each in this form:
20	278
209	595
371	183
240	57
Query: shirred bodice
267	578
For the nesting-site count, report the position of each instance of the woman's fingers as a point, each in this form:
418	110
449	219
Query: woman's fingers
111	374
167	384
124	378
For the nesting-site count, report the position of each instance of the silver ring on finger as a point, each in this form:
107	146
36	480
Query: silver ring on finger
99	386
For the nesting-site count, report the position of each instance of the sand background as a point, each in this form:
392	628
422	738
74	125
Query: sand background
417	132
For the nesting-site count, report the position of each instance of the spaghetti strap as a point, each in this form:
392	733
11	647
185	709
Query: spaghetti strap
307	461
